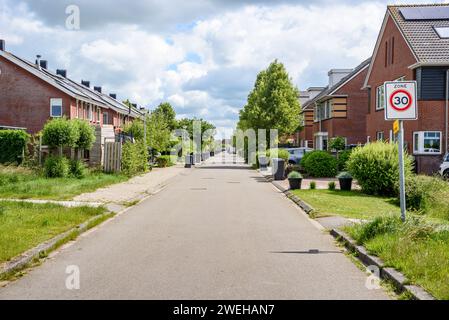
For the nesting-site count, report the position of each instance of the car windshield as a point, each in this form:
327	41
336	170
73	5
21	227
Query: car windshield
446	158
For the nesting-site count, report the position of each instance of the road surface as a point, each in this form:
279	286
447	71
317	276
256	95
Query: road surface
218	232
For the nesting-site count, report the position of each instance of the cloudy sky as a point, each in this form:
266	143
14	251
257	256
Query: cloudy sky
200	55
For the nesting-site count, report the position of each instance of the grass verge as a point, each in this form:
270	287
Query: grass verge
349	204
417	248
20	183
25	225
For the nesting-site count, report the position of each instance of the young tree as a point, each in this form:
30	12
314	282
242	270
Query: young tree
59	133
273	103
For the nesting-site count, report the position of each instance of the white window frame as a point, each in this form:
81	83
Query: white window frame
418	148
56	102
378	134
380	98
90	114
106	114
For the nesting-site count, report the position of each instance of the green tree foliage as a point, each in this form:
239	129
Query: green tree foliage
158	132
337	143
135	129
86	134
134	158
273	103
60	132
376	167
12	145
168	114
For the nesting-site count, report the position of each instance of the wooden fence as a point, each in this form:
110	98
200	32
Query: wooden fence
112	156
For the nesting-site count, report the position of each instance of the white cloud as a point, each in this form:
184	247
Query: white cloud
149	65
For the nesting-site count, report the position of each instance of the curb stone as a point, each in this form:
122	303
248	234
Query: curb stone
397	278
304	206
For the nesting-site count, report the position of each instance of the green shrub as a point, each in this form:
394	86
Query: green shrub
164	161
344	175
320	164
294	175
331	186
60	132
77	169
281	153
375	166
304	159
342	159
56	167
134	158
312	185
12	145
86	134
292	168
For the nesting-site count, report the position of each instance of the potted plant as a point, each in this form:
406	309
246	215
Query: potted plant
345	180
295	179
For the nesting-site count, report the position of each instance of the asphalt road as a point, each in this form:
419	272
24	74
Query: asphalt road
218	232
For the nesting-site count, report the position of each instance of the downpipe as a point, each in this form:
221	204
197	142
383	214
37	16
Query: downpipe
447	110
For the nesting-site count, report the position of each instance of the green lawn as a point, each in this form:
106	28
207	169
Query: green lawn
350	204
25	225
19	183
418	249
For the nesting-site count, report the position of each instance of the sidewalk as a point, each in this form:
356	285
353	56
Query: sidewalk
134	189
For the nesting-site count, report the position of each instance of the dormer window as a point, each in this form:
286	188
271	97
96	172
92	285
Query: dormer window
443	32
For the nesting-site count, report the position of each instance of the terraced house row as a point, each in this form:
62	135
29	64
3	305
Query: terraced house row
413	44
31	94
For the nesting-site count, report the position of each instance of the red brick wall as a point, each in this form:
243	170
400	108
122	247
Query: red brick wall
307	132
430	113
25	99
353	127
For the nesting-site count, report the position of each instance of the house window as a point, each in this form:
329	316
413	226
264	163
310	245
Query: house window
55	108
380	136
380	98
105	118
323	111
98	115
427	142
89	112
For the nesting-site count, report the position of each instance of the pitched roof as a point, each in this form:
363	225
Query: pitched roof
328	91
420	33
70	87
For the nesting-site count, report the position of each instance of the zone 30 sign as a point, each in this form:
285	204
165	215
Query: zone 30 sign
400	98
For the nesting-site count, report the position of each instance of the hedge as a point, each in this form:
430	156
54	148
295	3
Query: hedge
12	145
134	158
320	164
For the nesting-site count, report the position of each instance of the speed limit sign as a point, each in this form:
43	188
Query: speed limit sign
400	100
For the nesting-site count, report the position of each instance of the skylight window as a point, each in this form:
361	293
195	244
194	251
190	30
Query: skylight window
443	32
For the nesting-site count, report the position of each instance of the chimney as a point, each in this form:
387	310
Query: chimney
113	96
61	72
38	61
336	75
314	91
85	83
44	64
2	45
98	89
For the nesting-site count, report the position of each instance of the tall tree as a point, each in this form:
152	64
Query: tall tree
273	103
168	113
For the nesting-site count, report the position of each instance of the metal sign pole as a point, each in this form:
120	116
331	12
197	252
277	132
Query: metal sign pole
402	170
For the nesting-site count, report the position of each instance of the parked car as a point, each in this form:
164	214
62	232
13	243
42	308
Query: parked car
444	167
296	154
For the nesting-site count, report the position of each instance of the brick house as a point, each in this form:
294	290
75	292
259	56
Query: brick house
30	95
413	44
305	136
339	110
